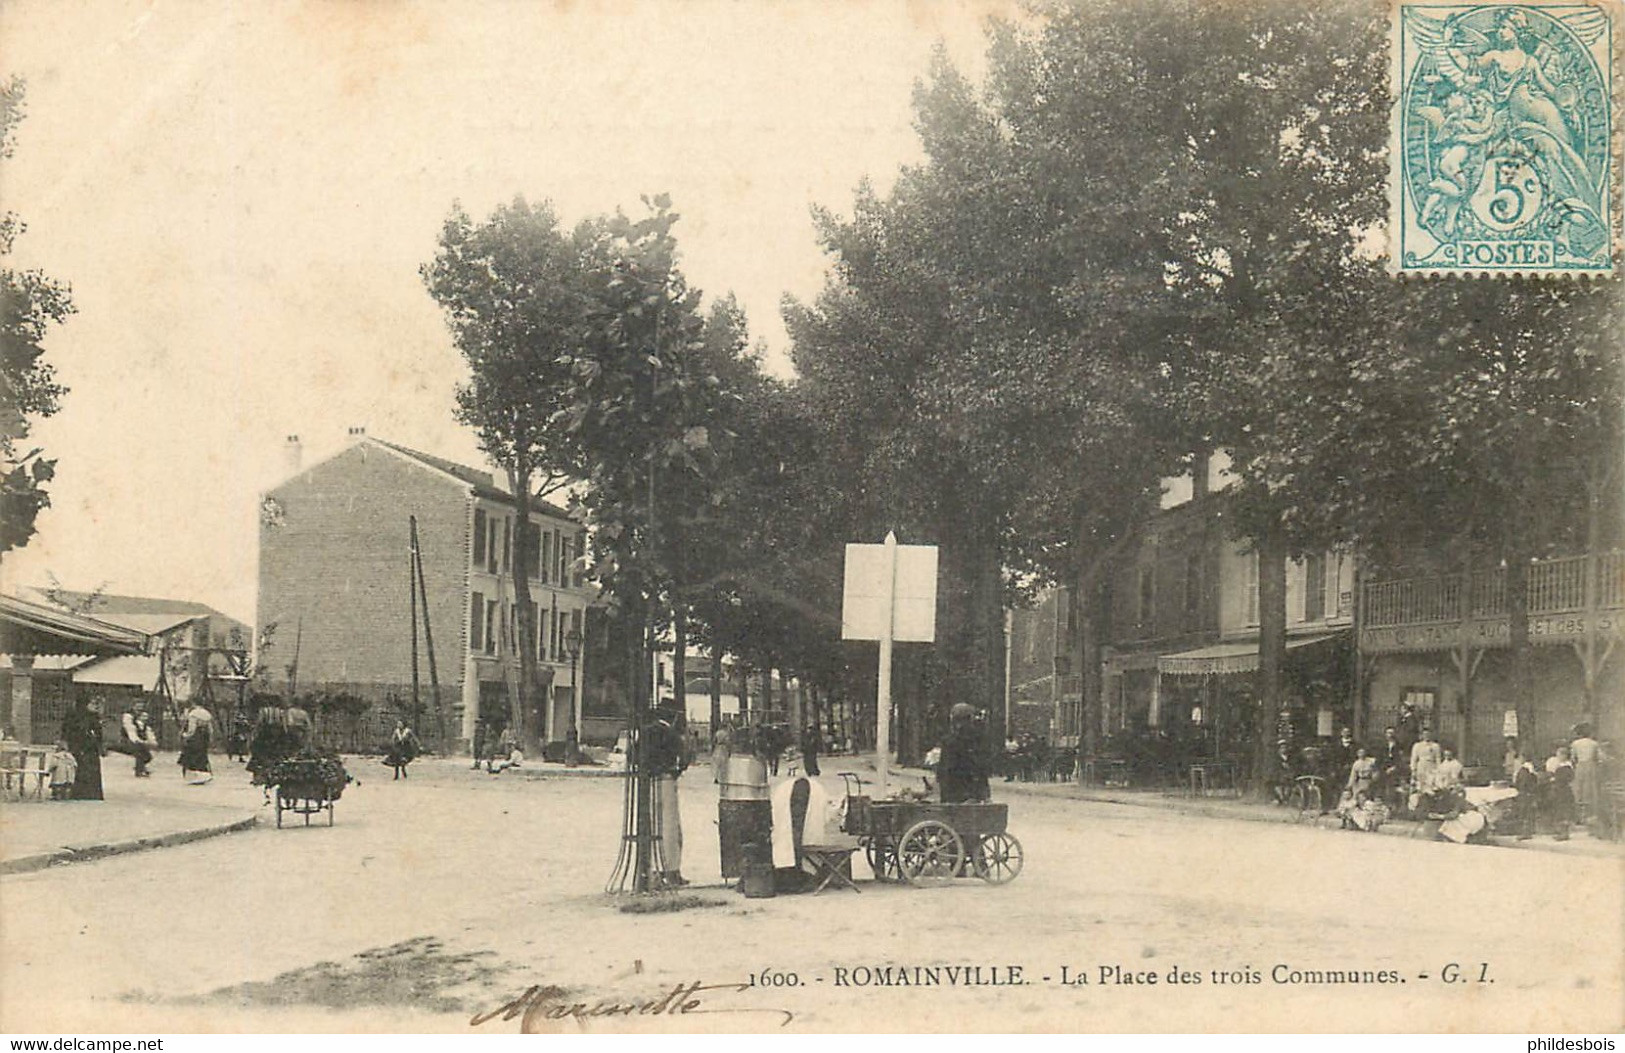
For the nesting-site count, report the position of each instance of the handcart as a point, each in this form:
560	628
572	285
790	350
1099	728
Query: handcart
307	785
927	843
303	800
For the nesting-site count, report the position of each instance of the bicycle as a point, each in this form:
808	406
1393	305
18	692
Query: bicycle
1308	796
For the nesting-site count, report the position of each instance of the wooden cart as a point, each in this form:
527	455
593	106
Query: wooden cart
926	843
307	785
306	799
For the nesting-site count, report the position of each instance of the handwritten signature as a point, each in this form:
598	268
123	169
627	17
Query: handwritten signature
540	1009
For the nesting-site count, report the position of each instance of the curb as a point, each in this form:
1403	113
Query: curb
90	853
1394	828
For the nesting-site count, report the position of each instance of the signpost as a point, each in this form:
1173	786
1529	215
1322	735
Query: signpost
889	595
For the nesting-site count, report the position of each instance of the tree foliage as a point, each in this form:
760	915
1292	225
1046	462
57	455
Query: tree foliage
31	302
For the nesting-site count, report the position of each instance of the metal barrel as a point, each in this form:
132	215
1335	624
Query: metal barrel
744	778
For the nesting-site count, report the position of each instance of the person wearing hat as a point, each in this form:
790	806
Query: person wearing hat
963	771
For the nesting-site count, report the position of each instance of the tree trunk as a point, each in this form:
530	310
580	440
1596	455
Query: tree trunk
991	634
1271	649
1521	653
679	658
521	711
716	692
1091	684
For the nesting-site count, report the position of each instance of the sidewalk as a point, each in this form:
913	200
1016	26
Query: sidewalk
1580	843
444	767
136	815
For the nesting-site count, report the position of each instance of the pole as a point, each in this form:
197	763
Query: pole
428	636
412	594
1009	634
575	687
883	695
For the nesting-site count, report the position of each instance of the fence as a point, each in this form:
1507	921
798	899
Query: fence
1556	586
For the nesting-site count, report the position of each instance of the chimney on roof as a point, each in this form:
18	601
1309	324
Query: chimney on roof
293	456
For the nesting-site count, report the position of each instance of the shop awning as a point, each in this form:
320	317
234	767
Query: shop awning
1226	658
123	671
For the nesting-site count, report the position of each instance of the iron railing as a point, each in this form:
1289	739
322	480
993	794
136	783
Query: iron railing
1556	586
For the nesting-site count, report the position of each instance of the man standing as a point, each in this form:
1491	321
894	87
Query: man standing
665	758
139	738
963	771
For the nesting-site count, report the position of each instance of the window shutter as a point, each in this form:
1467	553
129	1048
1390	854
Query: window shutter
479	537
476	622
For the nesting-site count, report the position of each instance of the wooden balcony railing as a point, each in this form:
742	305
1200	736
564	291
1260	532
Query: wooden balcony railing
1556	586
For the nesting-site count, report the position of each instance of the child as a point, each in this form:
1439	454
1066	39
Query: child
64	770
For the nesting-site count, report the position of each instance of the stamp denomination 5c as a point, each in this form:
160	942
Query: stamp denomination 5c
1504	137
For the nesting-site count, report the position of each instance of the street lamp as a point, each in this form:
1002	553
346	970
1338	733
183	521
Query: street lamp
572	647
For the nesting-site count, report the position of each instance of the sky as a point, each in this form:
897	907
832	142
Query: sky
241	195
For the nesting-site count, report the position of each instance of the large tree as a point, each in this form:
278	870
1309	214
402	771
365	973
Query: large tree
31	302
514	295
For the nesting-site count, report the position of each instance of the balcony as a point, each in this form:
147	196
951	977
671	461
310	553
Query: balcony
1430	612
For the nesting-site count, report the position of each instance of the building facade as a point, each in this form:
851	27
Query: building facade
1436	649
336	607
1179	622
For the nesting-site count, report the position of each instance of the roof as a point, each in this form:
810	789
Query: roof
143	613
151	624
483	483
125	670
33	628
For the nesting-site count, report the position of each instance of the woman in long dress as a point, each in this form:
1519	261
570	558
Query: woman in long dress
82	731
270	743
403	748
194	758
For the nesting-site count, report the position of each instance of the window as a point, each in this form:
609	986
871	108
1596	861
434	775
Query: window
545	564
479	538
476	620
1249	570
491	551
1314	588
558	557
507	544
575	571
544	634
1193	591
491	627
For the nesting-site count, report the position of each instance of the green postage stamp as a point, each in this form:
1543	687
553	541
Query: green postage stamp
1505	137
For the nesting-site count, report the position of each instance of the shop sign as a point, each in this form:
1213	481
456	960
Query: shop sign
1493	632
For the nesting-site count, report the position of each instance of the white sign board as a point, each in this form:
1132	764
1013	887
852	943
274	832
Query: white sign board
869	587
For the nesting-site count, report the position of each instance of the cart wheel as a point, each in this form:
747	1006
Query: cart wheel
997	858
930	853
882	860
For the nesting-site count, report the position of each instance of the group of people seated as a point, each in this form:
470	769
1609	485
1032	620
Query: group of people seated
1425	779
1031	758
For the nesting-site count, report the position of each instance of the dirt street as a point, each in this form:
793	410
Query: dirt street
455	893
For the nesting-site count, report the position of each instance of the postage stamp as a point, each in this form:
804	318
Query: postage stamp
1504	134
